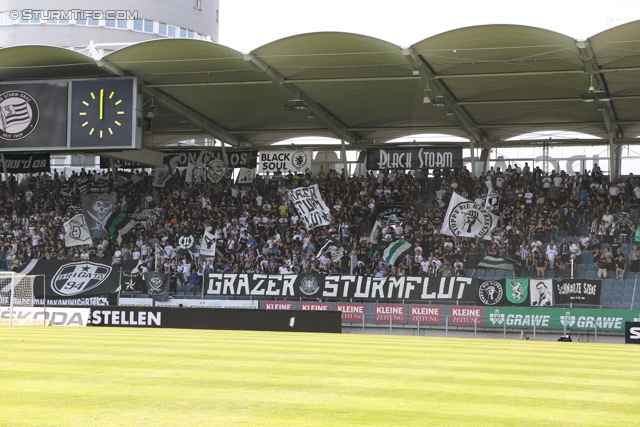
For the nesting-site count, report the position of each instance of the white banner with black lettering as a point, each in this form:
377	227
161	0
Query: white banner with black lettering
284	161
464	218
310	206
58	316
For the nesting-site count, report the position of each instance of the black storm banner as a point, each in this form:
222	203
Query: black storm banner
28	163
411	158
577	291
69	280
342	287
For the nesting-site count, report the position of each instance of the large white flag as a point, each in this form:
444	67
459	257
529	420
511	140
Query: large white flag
464	218
246	176
76	232
310	206
208	245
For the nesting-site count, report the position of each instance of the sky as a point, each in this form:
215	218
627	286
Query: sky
248	24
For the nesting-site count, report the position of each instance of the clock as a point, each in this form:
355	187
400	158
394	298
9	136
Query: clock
103	113
101	119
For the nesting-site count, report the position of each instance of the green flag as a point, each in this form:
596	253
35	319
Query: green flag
517	290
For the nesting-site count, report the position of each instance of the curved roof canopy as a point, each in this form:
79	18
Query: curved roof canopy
486	83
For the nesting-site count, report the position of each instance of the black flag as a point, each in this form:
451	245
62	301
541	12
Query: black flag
158	285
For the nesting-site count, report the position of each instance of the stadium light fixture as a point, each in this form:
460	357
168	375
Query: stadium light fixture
427	96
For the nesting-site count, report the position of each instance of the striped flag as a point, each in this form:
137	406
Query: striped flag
119	224
14	114
394	250
495	262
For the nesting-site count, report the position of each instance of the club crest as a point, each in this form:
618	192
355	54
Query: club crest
78	277
19	115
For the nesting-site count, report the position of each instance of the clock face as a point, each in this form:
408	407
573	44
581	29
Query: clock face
101	113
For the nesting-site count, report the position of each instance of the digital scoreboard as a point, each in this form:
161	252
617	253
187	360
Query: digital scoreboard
77	115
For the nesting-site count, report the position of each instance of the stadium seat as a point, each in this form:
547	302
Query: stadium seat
591	275
500	274
579	274
189	295
481	272
490	273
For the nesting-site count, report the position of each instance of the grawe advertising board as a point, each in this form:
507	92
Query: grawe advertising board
559	318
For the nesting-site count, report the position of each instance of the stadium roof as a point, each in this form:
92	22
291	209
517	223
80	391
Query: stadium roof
488	83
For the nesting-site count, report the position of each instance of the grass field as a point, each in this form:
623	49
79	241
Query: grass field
143	377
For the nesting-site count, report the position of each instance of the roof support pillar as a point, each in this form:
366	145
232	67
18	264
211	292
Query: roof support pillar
615	152
485	155
343	154
472	146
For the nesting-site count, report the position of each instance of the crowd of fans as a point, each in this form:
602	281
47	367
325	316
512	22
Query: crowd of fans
545	221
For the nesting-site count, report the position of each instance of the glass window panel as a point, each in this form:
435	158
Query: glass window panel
93	21
1	18
162	28
171	31
122	23
190	34
148	26
137	24
110	23
35	18
183	33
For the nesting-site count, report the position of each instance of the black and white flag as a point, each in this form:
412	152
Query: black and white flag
76	232
310	206
464	218
96	209
84	185
161	175
208	245
213	172
100	187
158	285
131	283
493	199
186	243
246	176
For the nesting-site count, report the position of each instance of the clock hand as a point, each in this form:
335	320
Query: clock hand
101	103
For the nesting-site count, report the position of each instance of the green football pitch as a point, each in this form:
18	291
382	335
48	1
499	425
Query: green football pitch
145	377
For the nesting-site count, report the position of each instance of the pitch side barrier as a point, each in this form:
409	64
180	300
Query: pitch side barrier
451	290
453	316
220	319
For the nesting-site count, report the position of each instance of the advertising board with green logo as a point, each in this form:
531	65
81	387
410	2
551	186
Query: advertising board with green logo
558	318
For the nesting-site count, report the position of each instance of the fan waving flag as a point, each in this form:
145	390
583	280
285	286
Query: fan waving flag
76	232
496	262
395	250
464	218
119	224
208	245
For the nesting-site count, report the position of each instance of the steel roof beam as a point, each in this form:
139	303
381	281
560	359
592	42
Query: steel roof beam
332	122
179	108
466	121
590	61
289	81
524	73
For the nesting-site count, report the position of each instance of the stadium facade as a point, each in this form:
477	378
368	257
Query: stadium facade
108	24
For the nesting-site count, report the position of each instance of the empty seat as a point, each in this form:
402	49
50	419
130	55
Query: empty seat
591	275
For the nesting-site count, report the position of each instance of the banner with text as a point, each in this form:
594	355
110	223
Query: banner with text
285	161
309	204
28	163
413	157
342	287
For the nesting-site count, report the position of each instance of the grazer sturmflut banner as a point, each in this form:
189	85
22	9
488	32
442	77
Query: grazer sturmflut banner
309	204
79	279
411	158
342	287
